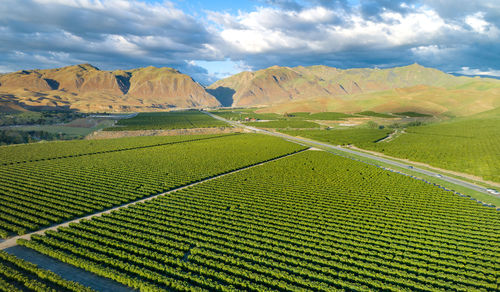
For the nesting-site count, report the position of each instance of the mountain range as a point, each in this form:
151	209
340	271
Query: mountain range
86	88
278	89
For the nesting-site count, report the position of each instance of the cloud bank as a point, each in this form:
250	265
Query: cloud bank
449	35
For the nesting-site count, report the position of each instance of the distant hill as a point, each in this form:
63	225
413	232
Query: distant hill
278	89
323	88
86	88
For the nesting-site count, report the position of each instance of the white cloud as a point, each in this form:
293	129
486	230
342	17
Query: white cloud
477	22
478	72
320	29
123	34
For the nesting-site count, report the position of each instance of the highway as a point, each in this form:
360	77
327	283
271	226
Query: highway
459	182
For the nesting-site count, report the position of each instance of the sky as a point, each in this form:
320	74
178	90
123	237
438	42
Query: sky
209	40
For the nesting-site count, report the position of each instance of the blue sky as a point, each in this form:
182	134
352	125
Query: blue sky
210	40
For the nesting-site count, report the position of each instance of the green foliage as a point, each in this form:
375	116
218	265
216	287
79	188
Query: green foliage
12	136
44	192
469	146
61	149
38	118
283	124
413	114
328	116
332	116
313	221
167	121
19	275
242	115
374	114
372	125
354	136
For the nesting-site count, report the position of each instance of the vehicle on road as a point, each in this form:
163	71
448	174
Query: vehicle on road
493	191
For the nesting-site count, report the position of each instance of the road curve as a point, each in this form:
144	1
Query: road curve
459	182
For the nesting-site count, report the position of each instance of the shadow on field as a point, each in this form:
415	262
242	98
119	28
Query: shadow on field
67	271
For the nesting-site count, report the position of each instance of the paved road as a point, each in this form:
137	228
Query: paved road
10	242
390	162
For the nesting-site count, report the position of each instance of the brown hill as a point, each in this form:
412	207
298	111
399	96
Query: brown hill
321	88
86	88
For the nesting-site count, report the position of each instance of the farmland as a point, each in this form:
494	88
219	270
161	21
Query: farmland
242	114
44	151
221	212
283	124
19	275
469	145
41	193
311	221
167	121
342	136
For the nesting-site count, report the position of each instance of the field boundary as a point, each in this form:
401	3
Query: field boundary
119	150
10	242
460	175
357	154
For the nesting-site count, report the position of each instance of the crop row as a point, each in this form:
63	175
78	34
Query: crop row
63	149
356	136
468	146
42	193
19	275
168	120
312	221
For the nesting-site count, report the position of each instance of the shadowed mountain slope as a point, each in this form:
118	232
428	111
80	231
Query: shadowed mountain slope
322	88
86	88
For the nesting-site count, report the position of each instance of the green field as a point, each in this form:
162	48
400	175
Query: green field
247	114
61	149
283	124
41	193
19	275
355	136
312	221
167	121
374	114
242	114
413	114
329	116
309	221
469	145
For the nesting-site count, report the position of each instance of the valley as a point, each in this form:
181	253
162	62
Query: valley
234	198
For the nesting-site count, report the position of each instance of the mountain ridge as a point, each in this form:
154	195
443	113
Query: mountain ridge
307	88
85	87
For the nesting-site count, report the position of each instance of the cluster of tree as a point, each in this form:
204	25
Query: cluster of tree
11	136
38	118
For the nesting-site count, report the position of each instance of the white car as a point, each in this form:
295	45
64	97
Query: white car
493	191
